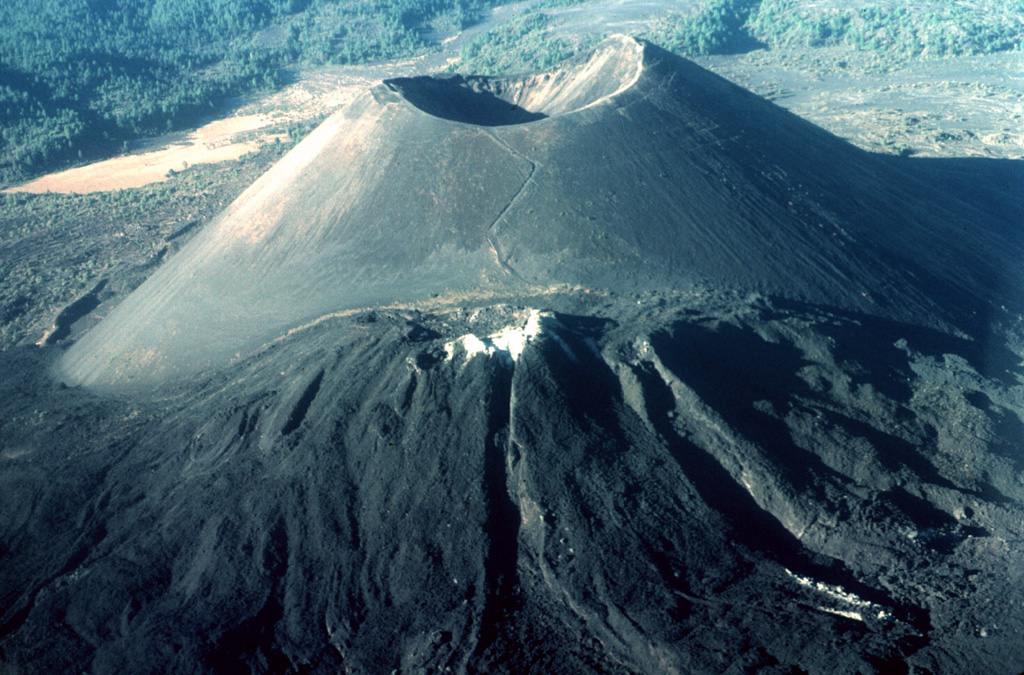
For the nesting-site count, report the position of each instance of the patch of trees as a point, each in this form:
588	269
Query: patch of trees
931	29
921	29
718	28
79	78
557	4
522	45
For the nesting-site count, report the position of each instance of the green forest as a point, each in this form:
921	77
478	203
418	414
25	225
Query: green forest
899	31
521	45
927	29
79	78
718	28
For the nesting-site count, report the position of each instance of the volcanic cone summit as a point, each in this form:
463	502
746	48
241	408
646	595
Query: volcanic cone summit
625	168
491	101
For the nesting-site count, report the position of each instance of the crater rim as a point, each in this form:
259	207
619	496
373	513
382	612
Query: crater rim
582	81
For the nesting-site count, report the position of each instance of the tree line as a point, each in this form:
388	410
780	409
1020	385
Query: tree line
718	27
921	29
925	29
521	45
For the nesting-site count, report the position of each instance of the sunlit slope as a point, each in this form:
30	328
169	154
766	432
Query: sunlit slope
626	168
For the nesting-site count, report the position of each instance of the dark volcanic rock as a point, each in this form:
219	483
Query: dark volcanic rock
680	484
705	390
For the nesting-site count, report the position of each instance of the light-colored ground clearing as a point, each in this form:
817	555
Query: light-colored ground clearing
218	141
254	122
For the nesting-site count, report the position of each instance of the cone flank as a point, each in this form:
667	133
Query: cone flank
625	168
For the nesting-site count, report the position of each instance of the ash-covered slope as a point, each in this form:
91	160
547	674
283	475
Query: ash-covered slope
627	168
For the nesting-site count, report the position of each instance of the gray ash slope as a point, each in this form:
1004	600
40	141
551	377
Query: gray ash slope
626	169
705	390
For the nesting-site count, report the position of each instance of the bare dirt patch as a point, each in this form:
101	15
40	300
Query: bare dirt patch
218	141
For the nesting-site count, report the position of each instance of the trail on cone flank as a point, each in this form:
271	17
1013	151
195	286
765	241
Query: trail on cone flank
624	169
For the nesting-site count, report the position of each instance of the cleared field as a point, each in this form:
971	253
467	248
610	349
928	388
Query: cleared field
217	142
